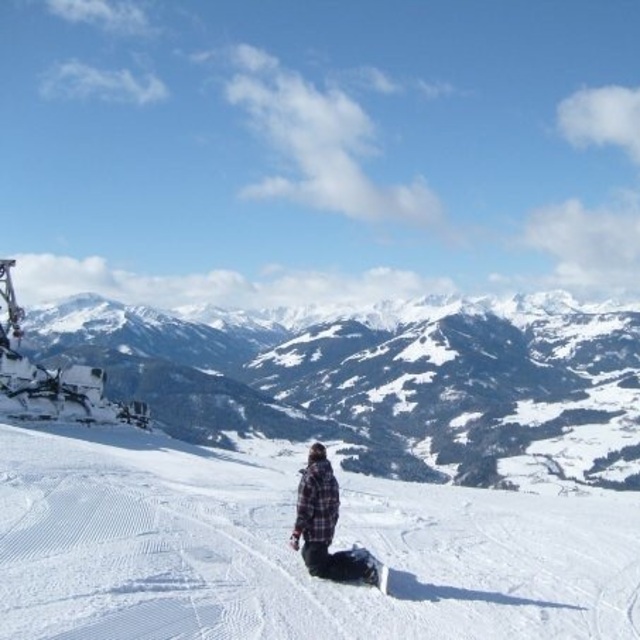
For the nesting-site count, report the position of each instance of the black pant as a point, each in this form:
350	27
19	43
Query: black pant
340	566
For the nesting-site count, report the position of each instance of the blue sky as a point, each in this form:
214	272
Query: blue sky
254	154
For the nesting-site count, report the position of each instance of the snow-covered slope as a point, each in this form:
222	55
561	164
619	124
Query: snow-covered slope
111	532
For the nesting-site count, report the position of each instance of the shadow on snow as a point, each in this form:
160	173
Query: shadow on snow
128	437
405	586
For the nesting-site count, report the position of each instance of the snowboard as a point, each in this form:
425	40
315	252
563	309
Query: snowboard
383	570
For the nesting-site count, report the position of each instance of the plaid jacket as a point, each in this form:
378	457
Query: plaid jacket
318	502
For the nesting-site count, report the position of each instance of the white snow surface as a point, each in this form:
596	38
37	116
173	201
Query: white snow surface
575	450
112	532
294	358
426	347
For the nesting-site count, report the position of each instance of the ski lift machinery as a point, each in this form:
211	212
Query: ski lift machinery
75	392
16	313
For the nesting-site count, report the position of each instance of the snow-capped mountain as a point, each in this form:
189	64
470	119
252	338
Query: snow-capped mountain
260	329
523	392
90	320
183	370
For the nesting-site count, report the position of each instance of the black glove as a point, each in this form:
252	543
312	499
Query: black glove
294	540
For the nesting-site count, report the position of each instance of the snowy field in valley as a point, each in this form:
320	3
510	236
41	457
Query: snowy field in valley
115	533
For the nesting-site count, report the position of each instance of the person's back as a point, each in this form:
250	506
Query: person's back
316	518
318	502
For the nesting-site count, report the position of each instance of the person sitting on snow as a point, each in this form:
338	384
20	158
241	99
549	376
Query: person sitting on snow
317	515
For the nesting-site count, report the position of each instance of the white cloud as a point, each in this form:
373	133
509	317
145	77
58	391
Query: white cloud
45	277
376	80
608	115
40	277
322	135
124	17
435	90
252	59
294	288
596	251
75	80
202	57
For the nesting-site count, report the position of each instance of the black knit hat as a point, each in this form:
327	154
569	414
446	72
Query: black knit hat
317	452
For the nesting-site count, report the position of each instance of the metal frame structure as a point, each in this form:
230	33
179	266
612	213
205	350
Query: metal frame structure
15	312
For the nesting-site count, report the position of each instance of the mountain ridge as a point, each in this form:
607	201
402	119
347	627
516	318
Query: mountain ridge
437	388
